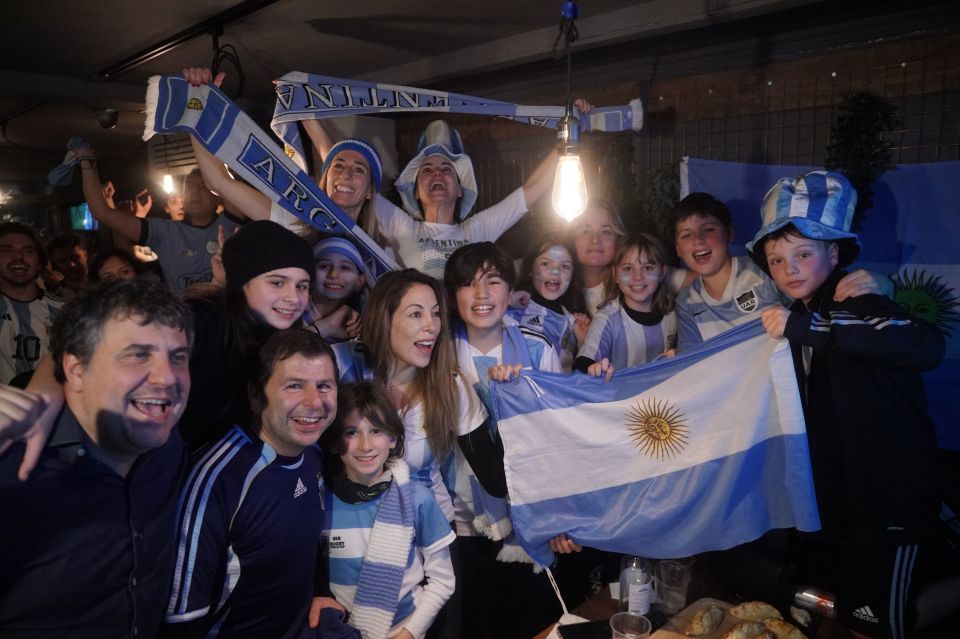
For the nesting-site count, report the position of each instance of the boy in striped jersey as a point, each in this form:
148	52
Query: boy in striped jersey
871	440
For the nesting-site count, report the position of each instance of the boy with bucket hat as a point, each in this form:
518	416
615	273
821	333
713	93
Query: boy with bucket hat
871	440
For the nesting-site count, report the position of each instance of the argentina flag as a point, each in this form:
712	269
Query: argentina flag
686	455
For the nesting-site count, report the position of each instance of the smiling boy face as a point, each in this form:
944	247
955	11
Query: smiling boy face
702	244
483	302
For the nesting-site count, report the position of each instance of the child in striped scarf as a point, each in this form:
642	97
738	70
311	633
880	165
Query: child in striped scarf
385	537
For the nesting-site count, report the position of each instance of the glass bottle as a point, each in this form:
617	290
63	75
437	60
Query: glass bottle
636	584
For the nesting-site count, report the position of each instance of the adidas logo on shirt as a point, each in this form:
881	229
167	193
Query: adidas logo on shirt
865	614
535	321
300	489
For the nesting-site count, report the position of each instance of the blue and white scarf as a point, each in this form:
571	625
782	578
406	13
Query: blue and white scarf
492	514
230	134
385	562
305	96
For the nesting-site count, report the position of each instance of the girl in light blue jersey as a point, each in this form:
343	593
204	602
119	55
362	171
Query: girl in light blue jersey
556	311
637	323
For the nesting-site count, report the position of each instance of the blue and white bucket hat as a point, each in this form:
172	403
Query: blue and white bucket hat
819	205
439	138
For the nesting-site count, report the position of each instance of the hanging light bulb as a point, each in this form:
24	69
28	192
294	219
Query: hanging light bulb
569	186
168	183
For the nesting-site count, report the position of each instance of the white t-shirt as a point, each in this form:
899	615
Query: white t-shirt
593	298
426	246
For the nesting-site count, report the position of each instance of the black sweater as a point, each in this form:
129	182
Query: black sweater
871	440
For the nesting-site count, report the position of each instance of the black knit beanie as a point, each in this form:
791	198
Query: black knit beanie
260	247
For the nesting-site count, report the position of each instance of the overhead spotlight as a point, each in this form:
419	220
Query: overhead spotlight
107	118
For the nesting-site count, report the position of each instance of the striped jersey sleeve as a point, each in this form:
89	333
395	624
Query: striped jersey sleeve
211	495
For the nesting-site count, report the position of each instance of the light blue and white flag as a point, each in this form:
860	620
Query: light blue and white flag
230	134
305	96
686	455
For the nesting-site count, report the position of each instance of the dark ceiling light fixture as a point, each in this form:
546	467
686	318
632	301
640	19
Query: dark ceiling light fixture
107	118
7	117
227	54
213	25
569	196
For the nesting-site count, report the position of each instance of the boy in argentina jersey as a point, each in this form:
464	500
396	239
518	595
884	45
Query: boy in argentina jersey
489	345
251	511
728	290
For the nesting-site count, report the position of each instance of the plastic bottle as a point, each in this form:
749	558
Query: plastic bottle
636	584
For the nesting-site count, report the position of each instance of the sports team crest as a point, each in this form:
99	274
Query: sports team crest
747	301
657	428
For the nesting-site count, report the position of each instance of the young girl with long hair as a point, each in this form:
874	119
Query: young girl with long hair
637	323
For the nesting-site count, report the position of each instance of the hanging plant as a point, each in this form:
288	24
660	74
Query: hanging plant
857	146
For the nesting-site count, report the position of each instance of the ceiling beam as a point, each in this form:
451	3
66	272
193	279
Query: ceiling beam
56	89
653	17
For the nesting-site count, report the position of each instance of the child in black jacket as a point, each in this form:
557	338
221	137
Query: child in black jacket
858	365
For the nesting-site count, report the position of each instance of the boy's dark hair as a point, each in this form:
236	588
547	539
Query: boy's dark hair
372	401
463	265
11	228
701	204
280	346
67	239
78	328
847	249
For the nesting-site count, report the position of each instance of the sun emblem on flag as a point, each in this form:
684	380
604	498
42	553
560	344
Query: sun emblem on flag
289	150
657	428
195	103
928	297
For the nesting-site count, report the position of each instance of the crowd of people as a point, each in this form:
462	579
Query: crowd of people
261	444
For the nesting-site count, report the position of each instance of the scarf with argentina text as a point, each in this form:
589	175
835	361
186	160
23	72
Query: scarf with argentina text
230	134
306	96
492	514
388	552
